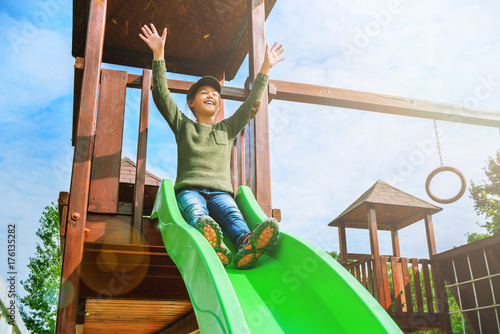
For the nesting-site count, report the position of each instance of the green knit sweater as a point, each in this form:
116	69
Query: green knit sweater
204	151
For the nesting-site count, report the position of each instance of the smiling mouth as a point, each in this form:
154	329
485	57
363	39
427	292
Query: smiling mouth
210	102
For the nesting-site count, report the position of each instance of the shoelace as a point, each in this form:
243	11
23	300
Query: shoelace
245	240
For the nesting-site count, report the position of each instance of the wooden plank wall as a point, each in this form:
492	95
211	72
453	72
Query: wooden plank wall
106	163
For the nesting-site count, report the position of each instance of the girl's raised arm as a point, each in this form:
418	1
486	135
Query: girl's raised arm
155	42
272	57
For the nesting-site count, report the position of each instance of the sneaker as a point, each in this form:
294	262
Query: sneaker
213	233
254	244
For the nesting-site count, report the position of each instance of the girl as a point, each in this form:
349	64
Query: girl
203	185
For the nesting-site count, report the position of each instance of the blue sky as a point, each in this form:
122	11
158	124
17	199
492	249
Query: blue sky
322	159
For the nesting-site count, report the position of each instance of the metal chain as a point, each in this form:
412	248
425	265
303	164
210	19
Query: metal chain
438	144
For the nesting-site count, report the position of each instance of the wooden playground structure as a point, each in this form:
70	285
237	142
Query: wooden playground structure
117	276
418	300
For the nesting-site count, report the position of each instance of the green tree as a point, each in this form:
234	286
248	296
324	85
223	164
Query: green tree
335	255
486	196
474	236
39	307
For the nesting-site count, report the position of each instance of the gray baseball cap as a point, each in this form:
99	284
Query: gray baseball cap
206	80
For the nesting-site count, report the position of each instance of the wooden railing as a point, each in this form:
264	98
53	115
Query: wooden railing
409	293
407	286
362	269
242	158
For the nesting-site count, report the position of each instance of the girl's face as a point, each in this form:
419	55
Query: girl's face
206	101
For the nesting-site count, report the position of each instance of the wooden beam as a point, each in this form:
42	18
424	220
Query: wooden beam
425	321
410	220
140	170
462	250
80	179
182	87
343	98
363	225
117	229
91	268
185	324
123	256
236	41
351	99
129	287
256	22
358	256
358	262
276	214
148	56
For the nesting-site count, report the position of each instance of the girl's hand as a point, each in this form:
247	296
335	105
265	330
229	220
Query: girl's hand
272	57
155	42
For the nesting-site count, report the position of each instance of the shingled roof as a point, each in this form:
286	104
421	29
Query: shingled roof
127	174
394	208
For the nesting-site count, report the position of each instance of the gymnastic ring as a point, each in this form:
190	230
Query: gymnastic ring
443	169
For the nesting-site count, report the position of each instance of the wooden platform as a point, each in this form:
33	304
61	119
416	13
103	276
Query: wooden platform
110	316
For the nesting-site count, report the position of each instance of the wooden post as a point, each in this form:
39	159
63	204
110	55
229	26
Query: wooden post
429	229
256	20
372	228
80	178
220	74
63	202
395	242
77	92
442	306
342	242
142	145
439	289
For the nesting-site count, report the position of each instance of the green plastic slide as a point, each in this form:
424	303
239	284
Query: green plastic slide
295	288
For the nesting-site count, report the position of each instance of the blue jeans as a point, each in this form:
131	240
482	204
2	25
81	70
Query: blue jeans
196	202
